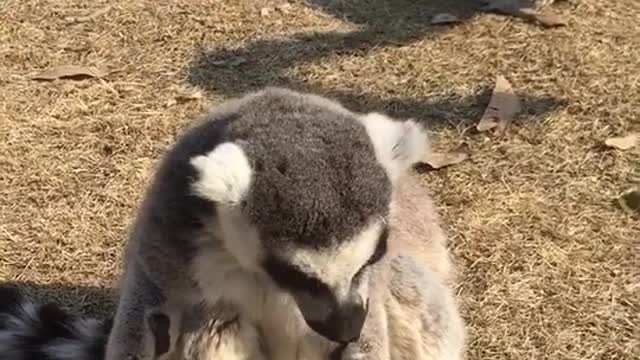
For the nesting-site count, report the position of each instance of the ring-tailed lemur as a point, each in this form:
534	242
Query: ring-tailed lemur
280	203
417	318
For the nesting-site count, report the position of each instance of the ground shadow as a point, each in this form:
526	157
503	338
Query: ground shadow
384	23
93	301
402	15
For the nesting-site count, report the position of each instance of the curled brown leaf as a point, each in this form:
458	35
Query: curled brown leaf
521	9
444	18
284	8
91	16
630	201
184	96
502	108
623	142
233	61
76	72
437	160
546	18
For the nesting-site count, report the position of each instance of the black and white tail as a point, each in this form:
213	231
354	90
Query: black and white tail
31	331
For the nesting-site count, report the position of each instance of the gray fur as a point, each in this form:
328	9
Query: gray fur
317	180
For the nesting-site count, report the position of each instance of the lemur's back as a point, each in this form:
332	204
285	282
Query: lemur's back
422	313
416	230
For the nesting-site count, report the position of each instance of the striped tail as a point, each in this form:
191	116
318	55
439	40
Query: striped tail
31	331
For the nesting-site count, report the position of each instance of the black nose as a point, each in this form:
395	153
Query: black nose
344	324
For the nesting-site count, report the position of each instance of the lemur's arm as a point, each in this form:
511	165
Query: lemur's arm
418	320
130	337
374	340
373	343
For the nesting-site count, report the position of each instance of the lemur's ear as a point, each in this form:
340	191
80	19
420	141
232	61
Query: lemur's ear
398	144
224	174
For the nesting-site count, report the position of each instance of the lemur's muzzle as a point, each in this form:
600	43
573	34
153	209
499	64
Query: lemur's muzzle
344	323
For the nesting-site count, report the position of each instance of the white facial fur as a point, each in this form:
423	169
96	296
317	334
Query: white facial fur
398	144
336	266
221	275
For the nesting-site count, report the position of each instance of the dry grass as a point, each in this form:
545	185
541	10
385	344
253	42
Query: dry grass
550	264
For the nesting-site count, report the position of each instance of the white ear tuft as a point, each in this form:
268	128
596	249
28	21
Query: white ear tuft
398	144
225	174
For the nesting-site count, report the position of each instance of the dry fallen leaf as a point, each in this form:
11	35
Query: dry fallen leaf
444	18
550	2
630	201
284	8
265	11
234	61
438	160
623	142
545	18
507	6
194	95
186	96
502	108
520	9
70	71
93	15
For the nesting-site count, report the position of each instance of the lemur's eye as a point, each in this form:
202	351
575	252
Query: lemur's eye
291	278
378	253
381	248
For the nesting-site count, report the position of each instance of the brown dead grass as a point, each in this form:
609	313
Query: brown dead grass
550	263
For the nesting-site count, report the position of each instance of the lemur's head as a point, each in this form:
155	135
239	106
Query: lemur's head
303	190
